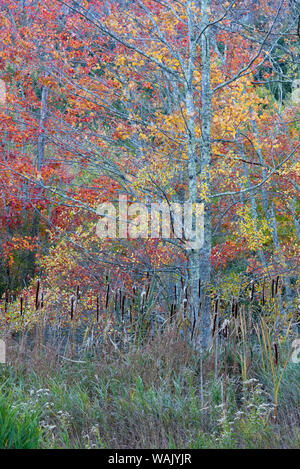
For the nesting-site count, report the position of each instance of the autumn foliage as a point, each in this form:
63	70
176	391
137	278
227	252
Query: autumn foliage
95	106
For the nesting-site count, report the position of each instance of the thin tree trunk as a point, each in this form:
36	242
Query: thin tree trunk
206	117
200	259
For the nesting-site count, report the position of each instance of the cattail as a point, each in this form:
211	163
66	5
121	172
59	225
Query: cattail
199	288
232	307
98	308
215	317
107	296
182	282
214	325
263	294
235	307
147	290
78	295
273	288
193	327
37	301
226	331
276	284
130	313
123	307
276	353
216	305
73	303
6	301
172	312
21	304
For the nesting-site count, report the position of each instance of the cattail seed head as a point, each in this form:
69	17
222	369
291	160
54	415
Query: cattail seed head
107	296
73	306
276	352
214	325
232	307
6	300
276	284
193	327
37	294
273	288
172	312
123	307
236	309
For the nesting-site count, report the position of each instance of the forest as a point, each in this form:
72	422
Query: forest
149	224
